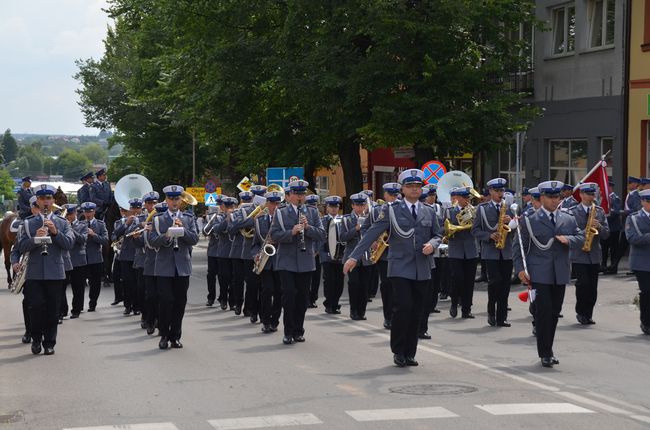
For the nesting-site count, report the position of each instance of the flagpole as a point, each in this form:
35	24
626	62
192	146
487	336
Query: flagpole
600	163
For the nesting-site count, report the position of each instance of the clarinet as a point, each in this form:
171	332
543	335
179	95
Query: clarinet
44	251
303	245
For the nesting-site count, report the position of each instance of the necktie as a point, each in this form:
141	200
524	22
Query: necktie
413	212
552	218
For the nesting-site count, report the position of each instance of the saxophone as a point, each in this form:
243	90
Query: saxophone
502	227
590	230
379	247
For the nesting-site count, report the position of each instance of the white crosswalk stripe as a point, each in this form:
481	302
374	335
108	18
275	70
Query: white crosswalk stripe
533	408
264	422
145	426
401	414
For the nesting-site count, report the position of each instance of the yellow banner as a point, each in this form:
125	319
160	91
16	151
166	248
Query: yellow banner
197	192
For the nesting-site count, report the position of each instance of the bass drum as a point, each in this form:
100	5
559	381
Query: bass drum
335	247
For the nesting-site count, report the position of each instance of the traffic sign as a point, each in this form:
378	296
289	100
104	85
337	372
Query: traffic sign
283	175
293	178
197	192
210	199
433	171
245	184
210	187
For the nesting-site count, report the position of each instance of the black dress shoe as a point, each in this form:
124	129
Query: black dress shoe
253	319
274	328
329	311
73	316
49	351
453	311
136	313
232	308
224	306
443	297
312	306
369	300
582	320
399	360
591	321
547	362
480	279
116	302
560	316
336	312
266	328
60	320
26	338
209	303
361	317
176	344
435	311
387	324
469	316
298	339
36	347
91	309
410	361
492	320
164	343
555	360
143	324
423	336
127	311
150	329
287	340
247	313
504	324
237	310
645	329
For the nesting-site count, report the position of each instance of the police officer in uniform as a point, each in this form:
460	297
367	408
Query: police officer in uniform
568	201
547	236
83	193
313	200
126	256
23	195
487	230
45	271
224	262
295	229
97	238
241	263
463	258
610	245
637	230
149	200
213	244
414	232
173	265
271	294
78	260
333	278
100	193
585	264
151	293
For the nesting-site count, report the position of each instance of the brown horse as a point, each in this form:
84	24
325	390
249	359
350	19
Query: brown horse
111	215
7	240
60	198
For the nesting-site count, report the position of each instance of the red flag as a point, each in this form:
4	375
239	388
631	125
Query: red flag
599	176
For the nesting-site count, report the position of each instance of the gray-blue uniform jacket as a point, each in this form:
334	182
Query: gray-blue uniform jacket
633	202
100	194
225	240
170	262
462	244
568	203
637	230
324	254
595	255
83	193
51	266
127	251
149	256
262	227
213	237
351	237
406	238
289	255
138	260
485	223
23	196
373	216
615	213
241	246
78	251
94	243
547	259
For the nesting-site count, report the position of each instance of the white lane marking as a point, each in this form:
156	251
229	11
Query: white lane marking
641	418
146	426
533	408
263	422
619	402
596	404
401	414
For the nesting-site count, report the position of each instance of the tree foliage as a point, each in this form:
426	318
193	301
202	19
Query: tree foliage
72	165
286	82
9	147
95	153
7	184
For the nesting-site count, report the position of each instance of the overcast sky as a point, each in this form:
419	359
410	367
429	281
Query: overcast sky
39	42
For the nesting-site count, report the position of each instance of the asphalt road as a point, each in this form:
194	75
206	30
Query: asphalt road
107	373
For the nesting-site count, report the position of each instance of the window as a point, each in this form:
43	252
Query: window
601	22
568	160
607	145
564	29
323	183
508	166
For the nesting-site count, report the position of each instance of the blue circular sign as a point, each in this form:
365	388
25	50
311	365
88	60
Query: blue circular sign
210	187
433	171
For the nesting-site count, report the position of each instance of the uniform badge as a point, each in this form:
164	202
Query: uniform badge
414	173
174	188
554	184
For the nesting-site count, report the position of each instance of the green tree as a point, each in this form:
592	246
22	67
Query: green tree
71	165
7	184
95	153
9	147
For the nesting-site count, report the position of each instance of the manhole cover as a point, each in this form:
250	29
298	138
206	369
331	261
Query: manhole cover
433	389
12	417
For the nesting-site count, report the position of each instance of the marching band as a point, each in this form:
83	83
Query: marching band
266	251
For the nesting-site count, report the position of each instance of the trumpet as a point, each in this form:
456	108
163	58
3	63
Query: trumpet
259	210
140	230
